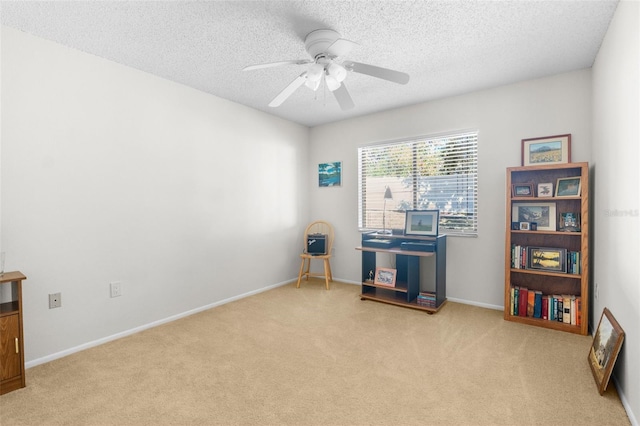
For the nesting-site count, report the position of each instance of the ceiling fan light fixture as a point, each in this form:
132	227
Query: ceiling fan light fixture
313	84
328	53
332	82
315	72
336	71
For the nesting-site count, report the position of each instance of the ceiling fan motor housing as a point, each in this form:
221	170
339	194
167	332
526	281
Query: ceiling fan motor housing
317	42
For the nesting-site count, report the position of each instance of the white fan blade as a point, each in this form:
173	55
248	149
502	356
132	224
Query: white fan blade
379	72
277	64
288	91
343	97
341	47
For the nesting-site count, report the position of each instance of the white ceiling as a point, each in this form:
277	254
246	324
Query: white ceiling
447	47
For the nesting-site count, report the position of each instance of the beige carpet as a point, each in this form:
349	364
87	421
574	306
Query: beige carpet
314	357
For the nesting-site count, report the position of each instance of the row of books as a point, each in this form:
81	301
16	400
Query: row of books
427	299
546	259
563	308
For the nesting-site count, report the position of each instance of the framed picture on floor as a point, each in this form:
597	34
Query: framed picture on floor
605	348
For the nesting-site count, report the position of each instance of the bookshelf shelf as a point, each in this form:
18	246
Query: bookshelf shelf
546	274
572	249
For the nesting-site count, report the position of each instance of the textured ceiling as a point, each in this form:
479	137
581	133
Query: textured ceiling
447	47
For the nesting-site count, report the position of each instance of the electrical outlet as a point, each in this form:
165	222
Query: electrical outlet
116	289
55	300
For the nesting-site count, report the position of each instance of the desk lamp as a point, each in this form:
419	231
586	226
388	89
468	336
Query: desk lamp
387	196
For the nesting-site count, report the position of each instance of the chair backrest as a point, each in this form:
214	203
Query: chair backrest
319	227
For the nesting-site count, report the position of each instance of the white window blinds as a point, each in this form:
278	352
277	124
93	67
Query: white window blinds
423	174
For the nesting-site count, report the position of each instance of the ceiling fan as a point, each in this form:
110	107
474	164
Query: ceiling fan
328	51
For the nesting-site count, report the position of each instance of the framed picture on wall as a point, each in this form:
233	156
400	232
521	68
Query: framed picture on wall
546	150
330	174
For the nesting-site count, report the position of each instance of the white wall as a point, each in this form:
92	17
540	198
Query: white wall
111	174
503	116
616	156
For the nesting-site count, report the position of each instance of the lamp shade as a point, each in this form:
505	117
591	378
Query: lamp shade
387	194
332	83
337	72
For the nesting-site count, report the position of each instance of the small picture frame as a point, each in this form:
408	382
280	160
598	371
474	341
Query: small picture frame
546	150
568	187
385	277
547	259
522	190
569	222
515	226
524	226
330	174
544	214
545	190
422	222
533	226
605	348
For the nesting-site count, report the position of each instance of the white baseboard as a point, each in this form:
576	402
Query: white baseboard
625	403
472	303
125	333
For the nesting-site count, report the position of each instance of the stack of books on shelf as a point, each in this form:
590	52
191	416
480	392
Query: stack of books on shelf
427	299
563	308
573	262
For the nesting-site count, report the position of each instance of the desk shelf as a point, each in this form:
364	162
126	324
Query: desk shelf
407	286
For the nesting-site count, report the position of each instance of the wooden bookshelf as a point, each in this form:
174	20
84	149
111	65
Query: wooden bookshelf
548	282
12	375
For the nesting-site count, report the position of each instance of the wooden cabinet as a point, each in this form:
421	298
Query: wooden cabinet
407	288
11	340
543	254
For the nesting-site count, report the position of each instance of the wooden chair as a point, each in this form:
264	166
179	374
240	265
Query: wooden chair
318	227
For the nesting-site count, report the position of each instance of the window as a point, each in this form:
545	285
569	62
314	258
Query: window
423	173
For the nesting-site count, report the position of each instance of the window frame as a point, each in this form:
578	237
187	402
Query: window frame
429	142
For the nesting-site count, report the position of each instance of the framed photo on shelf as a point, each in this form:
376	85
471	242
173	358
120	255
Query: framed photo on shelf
604	349
544	214
547	259
522	190
422	222
545	190
330	174
385	277
524	226
568	187
569	222
546	150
